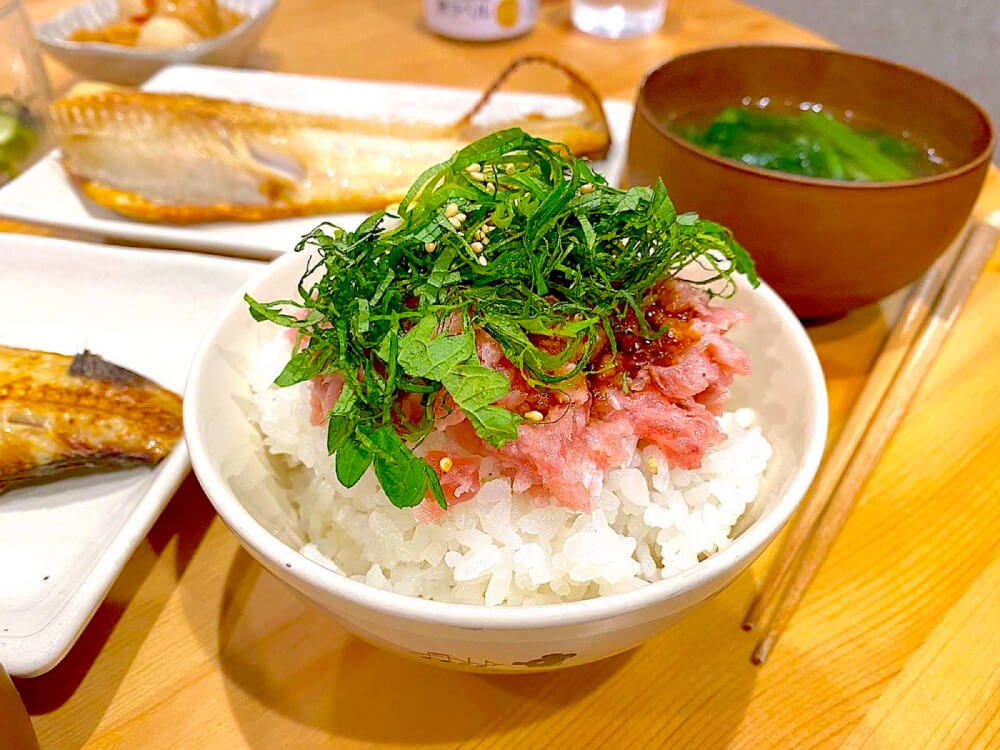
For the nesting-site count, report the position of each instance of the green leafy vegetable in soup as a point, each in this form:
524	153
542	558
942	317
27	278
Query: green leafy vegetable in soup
812	144
509	237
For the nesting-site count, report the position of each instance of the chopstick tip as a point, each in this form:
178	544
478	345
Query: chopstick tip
752	616
763	649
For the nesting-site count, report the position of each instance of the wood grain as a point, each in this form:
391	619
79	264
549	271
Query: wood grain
973	254
197	647
948	695
914	310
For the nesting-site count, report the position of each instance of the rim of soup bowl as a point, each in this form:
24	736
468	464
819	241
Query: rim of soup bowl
643	109
291	562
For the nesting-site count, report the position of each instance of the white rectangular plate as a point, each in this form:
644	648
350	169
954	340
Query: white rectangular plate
45	195
63	543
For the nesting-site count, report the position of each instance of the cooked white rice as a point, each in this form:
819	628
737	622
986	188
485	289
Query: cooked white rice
501	547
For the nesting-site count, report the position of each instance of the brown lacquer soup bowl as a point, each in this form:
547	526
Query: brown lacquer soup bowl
826	246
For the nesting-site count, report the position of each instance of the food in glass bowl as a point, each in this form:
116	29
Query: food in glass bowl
162	24
24	91
19	131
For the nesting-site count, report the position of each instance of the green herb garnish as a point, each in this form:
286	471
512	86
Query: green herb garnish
508	236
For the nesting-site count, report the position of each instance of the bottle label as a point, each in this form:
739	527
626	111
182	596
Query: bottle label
480	19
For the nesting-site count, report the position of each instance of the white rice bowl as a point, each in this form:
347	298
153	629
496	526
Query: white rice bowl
258	498
502	547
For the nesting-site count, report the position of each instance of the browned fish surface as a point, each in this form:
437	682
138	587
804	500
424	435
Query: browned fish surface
61	413
181	159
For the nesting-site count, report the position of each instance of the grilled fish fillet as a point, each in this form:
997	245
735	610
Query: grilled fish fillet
60	413
181	159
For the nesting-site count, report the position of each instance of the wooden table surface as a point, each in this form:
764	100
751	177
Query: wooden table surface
897	644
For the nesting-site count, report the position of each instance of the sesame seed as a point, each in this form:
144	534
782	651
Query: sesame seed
445	464
455	222
509	169
491	188
485	240
477	246
461	217
654	466
478	176
430	247
534	416
586	188
474	167
482	260
450	210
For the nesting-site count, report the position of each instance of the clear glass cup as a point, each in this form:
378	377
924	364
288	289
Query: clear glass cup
24	91
615	19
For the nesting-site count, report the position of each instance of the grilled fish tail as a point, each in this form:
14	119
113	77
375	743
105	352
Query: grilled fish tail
60	414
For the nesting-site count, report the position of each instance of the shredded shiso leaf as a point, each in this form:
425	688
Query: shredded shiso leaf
510	236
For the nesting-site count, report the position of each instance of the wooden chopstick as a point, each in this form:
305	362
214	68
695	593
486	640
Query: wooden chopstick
811	543
16	732
915	310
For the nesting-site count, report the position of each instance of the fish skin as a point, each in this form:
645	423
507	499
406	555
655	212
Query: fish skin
183	159
62	413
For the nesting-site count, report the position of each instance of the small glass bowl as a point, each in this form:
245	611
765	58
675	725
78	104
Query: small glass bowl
24	91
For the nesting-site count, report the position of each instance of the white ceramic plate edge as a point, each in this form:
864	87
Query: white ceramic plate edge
154	235
33	655
36	655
